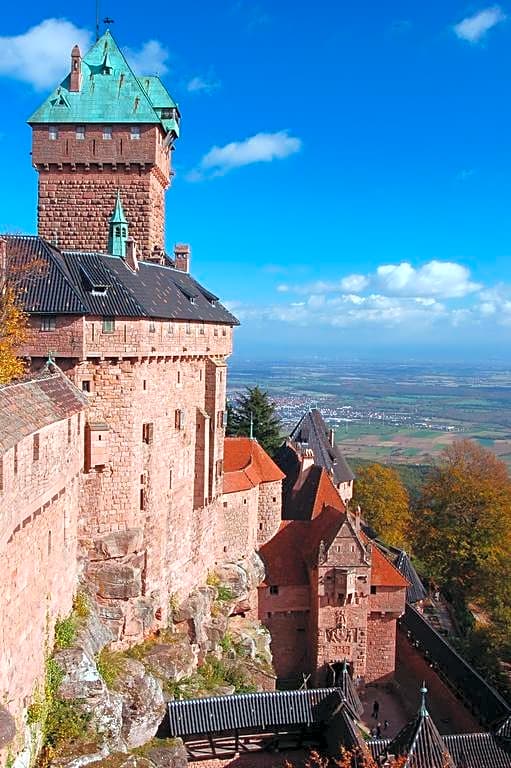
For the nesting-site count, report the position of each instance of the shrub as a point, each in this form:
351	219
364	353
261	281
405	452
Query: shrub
110	665
81	607
65	632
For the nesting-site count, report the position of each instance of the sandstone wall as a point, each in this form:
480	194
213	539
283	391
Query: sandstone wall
381	647
79	180
38	551
269	512
240	513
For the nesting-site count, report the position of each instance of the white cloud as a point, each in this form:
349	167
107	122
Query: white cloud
443	279
202	85
41	56
150	59
354	283
474	28
261	148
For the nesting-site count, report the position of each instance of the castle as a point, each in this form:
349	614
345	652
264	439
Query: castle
114	466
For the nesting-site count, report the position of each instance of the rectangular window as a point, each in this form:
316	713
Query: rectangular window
80	132
170	329
274	590
35	448
48	322
188	328
15	460
86	385
147	433
224	331
107	132
215	331
135	132
201	329
220	419
179	377
170	479
108	325
69	430
53	132
178	419
373	590
142	498
152	327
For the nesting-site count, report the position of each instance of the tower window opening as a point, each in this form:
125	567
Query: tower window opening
80	132
135	133
108	325
53	133
107	132
48	323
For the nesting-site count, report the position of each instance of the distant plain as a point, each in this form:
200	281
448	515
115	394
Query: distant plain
391	413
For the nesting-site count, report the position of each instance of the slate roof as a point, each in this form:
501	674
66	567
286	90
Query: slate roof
421	742
216	714
467	750
55	282
30	404
246	464
110	92
415	591
350	692
283	556
312	432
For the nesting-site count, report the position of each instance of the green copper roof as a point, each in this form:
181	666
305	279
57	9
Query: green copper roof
118	216
110	93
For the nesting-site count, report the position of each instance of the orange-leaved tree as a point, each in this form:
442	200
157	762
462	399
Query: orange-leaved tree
384	502
463	522
13	322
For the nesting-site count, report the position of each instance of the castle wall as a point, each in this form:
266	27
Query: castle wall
287	617
240	512
38	551
79	180
269	512
381	647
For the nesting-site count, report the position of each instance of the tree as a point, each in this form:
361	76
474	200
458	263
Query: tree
255	408
13	325
463	529
384	502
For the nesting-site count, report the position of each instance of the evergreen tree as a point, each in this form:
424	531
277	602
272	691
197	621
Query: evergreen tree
254	407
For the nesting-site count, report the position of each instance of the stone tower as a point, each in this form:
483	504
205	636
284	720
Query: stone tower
103	131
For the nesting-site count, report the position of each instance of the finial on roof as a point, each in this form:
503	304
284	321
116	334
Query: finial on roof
423	709
118	216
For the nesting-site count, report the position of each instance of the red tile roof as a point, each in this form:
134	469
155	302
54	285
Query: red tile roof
246	465
283	557
383	573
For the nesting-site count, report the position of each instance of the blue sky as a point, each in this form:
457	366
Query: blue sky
344	169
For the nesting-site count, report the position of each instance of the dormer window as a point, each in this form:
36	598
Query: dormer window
80	132
135	132
53	132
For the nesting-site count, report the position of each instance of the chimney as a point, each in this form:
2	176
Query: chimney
131	254
331	437
307	458
182	255
75	79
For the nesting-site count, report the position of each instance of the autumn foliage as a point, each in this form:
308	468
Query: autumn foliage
12	330
347	759
384	502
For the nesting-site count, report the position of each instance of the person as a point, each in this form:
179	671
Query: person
376	709
385	725
378	731
373	732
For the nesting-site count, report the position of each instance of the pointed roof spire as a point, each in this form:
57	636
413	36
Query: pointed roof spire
421	741
118	216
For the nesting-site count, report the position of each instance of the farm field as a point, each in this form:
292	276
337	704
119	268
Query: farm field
405	413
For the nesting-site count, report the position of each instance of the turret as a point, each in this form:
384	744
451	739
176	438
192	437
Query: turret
118	231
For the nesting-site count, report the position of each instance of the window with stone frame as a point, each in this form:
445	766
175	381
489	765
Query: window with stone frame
274	590
48	323
179	419
53	132
108	325
152	326
135	133
107	132
148	432
80	132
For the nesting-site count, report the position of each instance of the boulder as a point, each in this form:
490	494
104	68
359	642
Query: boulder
172	661
254	568
117	544
139	617
7	727
169	756
79	762
235	578
117	579
143	704
82	681
196	611
91	634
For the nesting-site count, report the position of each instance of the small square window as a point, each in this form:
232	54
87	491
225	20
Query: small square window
108	325
107	132
86	385
135	132
224	331
274	590
80	132
53	133
48	323
373	590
